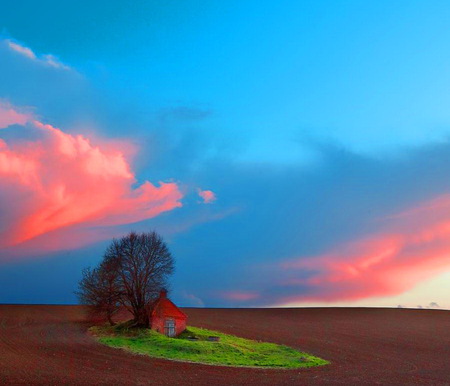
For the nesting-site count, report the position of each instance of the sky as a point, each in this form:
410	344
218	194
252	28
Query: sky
291	153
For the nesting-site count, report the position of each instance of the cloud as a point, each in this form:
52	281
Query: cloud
22	50
46	60
414	247
183	113
239	295
348	209
192	300
57	91
207	195
10	116
268	215
53	181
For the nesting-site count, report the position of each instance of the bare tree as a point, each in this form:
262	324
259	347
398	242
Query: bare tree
100	289
144	265
132	272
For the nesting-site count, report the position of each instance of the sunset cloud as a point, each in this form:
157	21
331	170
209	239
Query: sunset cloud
414	247
51	180
208	196
240	295
11	116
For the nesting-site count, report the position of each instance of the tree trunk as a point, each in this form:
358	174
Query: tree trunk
109	316
141	318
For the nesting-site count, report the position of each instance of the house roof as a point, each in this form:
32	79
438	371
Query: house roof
165	308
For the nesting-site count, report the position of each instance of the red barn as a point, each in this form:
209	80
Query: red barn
166	318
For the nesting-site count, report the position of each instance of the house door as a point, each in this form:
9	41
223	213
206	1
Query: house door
169	327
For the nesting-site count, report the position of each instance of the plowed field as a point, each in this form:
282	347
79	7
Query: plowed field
49	345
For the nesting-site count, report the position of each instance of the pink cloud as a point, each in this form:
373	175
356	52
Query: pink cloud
10	116
47	60
58	181
208	196
414	247
240	295
21	49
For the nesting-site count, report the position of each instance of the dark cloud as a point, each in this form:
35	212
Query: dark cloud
289	212
266	214
184	113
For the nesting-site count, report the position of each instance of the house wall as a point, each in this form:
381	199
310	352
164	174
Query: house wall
180	326
158	325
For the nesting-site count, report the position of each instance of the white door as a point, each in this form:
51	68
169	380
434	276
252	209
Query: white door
169	327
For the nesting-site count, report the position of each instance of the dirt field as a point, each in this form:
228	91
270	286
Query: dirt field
49	345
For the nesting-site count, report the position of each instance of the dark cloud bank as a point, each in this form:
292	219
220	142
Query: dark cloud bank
264	214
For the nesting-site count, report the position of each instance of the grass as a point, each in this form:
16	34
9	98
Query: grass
228	351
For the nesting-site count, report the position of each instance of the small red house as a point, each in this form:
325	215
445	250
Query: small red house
166	318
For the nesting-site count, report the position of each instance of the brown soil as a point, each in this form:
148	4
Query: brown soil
50	345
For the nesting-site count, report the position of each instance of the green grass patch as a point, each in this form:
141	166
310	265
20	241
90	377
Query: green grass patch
228	351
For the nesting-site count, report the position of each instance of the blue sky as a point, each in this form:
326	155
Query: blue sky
357	72
310	121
